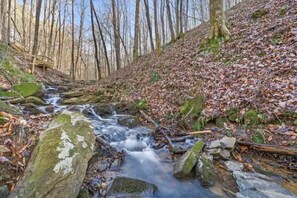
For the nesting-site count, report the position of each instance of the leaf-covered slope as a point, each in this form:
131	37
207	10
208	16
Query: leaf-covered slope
257	68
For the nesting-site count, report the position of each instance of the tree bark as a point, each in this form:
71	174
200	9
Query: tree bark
117	44
72	73
218	26
148	19
136	31
169	17
36	33
157	35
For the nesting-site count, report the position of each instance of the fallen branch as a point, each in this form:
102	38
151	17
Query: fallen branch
105	144
199	132
181	139
271	148
160	129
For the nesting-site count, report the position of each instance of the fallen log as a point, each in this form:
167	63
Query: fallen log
105	144
199	132
270	148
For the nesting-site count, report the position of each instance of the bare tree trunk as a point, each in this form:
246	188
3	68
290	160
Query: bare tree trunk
148	19
30	23
177	24
136	31
181	9
217	21
8	21
94	39
117	45
72	73
170	23
23	22
36	33
50	40
4	19
157	35
162	8
102	39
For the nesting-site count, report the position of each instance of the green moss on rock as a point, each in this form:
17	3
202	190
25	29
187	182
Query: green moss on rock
28	89
205	171
193	107
128	187
10	94
233	115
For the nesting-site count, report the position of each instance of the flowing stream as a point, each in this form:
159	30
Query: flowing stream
142	161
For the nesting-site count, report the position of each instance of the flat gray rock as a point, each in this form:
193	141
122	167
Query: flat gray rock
253	185
234	166
228	142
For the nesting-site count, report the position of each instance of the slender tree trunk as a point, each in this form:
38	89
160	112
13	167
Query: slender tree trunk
181	16
50	40
102	39
94	39
218	26
169	17
157	35
72	70
136	31
36	32
148	19
177	14
4	20
117	44
162	11
8	21
23	22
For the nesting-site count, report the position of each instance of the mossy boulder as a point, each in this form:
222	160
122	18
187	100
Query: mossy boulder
31	99
193	107
10	94
59	162
183	167
73	94
205	170
9	108
29	89
128	187
87	98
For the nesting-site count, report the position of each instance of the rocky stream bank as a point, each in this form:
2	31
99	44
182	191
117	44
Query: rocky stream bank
81	144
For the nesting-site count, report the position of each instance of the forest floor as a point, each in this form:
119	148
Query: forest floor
254	72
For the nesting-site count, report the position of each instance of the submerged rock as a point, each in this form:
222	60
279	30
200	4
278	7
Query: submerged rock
60	160
128	187
255	185
187	161
4	192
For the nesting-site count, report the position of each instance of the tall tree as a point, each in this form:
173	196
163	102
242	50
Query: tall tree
157	35
218	26
36	32
136	31
148	19
117	44
72	70
169	17
102	39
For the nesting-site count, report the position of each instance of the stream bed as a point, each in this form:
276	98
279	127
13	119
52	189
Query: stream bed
141	160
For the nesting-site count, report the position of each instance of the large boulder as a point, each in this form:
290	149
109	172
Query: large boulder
185	164
59	162
30	99
128	187
29	89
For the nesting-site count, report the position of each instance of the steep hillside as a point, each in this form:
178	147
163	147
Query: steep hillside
255	69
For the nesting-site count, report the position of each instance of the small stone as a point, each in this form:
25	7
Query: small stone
225	154
214	152
83	193
234	166
228	142
215	144
4	191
